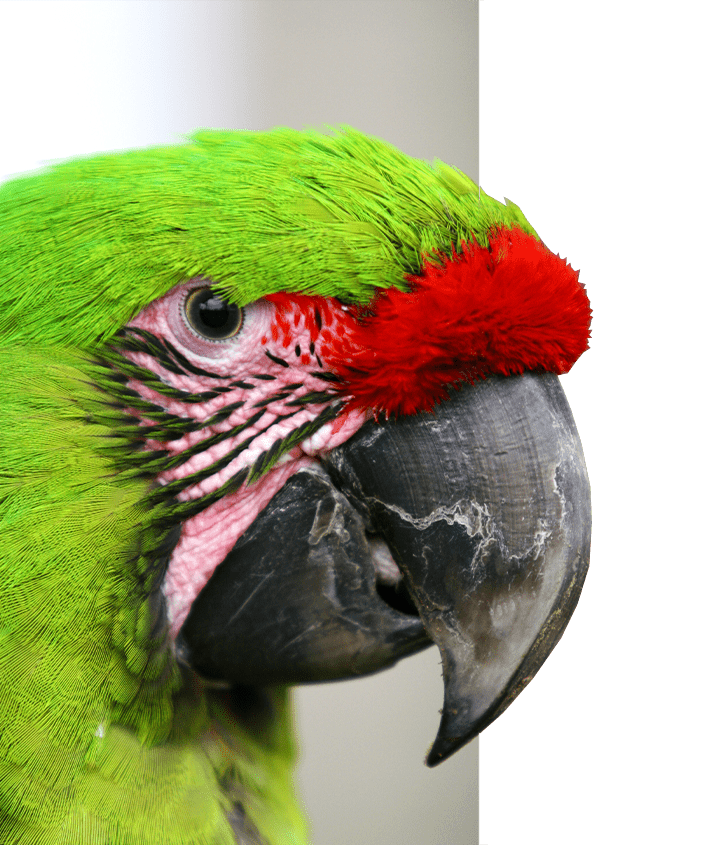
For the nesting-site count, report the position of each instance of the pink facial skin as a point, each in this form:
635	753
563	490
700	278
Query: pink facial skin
289	330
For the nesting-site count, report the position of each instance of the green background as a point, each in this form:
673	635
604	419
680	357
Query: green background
597	119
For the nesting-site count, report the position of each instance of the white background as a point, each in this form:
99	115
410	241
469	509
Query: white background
78	77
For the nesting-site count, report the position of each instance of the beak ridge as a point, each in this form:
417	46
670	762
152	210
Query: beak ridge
491	529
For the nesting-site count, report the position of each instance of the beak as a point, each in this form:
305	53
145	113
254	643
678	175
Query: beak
478	513
299	596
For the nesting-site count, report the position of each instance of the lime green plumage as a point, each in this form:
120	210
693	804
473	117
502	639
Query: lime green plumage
258	212
103	739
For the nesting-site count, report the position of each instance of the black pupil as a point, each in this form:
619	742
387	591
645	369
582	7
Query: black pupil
212	315
213	311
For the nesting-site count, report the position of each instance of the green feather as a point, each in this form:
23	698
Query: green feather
104	738
96	720
94	240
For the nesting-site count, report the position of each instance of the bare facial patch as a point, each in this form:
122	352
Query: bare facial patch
235	417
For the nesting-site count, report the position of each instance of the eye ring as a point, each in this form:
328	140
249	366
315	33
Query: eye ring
210	316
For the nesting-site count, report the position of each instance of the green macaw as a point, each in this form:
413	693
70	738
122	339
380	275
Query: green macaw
278	407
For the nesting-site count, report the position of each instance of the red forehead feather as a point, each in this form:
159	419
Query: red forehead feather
512	307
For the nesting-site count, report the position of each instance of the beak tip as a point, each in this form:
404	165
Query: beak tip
466	714
446	744
442	749
457	729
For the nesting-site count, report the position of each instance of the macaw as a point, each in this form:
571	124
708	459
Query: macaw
278	407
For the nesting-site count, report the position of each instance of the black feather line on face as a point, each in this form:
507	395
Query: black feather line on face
176	512
172	488
276	359
315	397
168	428
325	376
158	424
130	370
280	447
162	350
186	365
146	342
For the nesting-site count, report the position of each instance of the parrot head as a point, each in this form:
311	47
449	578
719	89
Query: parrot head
284	409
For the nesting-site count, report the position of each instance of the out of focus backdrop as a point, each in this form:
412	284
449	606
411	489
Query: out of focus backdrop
599	121
80	77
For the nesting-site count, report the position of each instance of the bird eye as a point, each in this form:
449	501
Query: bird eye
211	316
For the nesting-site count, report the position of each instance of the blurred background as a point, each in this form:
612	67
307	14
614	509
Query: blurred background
599	121
80	77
